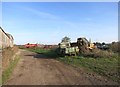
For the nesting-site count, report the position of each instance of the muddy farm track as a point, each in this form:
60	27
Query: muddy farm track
36	69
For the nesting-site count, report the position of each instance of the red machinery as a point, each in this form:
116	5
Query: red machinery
30	45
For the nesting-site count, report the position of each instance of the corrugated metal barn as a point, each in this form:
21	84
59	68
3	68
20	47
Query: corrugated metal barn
6	40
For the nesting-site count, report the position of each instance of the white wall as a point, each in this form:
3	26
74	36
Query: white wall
0	39
5	41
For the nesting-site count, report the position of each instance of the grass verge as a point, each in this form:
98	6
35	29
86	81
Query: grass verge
107	67
0	80
47	52
6	74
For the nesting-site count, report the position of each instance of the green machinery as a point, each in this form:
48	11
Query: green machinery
65	48
82	45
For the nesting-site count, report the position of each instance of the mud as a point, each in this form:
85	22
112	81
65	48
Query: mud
36	69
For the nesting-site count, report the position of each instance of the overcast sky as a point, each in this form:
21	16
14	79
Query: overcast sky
49	22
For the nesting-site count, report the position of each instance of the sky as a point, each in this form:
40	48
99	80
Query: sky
49	22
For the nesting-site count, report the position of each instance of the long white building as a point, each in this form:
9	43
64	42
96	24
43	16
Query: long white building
6	40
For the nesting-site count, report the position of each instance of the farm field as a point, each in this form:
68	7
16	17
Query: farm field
39	66
59	43
107	67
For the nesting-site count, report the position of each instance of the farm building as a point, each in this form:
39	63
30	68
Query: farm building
6	40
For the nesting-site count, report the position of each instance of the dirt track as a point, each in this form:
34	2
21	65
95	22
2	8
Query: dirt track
36	69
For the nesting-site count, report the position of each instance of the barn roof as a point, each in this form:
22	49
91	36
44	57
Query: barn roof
8	35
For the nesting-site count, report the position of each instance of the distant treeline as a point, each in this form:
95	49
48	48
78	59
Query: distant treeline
114	46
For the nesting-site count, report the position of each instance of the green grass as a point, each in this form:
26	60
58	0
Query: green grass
107	67
46	52
7	73
0	81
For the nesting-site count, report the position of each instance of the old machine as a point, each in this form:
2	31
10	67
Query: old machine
82	45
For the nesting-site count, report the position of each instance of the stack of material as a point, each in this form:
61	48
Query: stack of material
83	45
